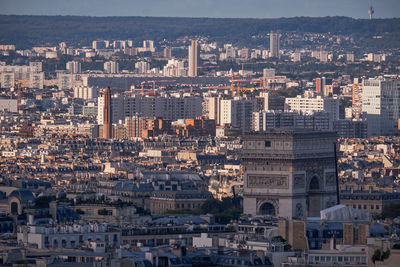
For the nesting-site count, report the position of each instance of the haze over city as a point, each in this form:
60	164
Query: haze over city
204	8
185	133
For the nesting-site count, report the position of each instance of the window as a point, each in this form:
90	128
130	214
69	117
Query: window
365	207
340	259
372	207
267	143
322	258
377	207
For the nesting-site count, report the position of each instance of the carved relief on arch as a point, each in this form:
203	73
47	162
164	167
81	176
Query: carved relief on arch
299	213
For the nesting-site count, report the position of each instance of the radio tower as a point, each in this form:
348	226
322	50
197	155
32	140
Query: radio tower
371	12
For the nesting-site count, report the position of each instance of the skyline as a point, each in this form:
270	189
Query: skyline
204	8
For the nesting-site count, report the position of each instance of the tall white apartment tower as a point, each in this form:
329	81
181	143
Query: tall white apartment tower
111	67
274	44
193	59
381	105
73	67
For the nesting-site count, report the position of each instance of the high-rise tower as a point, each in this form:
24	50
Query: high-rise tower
371	12
193	59
274	44
107	120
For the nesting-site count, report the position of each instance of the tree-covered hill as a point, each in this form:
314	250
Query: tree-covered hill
27	31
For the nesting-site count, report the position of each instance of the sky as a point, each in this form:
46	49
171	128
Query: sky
203	8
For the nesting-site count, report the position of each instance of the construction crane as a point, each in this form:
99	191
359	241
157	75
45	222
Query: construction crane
19	93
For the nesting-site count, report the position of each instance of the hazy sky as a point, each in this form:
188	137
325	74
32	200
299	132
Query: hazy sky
203	8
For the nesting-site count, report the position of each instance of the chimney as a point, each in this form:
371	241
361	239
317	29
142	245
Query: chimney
332	243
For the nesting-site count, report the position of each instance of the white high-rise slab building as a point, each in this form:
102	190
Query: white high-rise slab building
86	92
193	59
170	108
274	44
73	67
236	112
111	67
142	66
308	104
381	105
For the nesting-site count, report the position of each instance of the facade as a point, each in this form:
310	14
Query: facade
310	104
30	76
357	98
271	119
142	66
70	236
211	108
193	58
371	201
167	52
266	101
86	92
174	68
289	173
237	113
100	44
162	201
111	67
107	110
7	79
146	127
169	108
381	105
74	67
274	44
11	105
351	128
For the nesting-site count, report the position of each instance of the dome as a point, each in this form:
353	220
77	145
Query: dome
23	195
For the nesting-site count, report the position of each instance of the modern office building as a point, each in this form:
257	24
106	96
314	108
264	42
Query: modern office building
381	105
289	173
